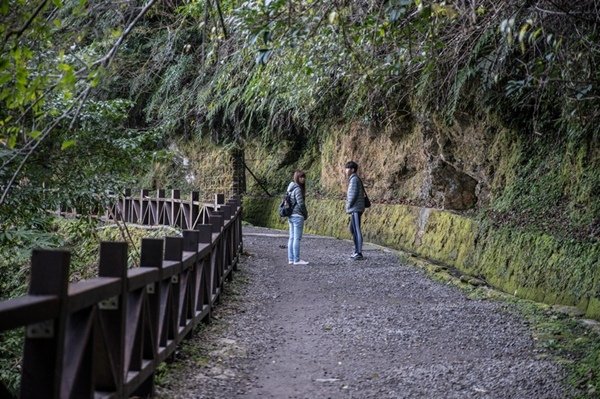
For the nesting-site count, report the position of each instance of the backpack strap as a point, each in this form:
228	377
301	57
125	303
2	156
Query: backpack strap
363	186
291	193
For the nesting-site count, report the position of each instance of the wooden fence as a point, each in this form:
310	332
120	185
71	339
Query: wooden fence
169	210
105	337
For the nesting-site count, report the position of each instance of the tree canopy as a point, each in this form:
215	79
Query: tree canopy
90	91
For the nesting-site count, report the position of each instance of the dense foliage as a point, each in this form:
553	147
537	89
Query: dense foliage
237	69
93	93
64	137
90	89
283	66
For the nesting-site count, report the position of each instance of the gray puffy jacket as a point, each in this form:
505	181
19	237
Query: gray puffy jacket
355	201
298	199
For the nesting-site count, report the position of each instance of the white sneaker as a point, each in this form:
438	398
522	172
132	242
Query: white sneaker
301	262
290	262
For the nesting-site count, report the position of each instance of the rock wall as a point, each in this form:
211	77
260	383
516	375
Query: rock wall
423	163
468	166
529	265
419	164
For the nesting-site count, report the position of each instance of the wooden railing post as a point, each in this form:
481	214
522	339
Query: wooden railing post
109	371
44	342
236	232
194	209
205	294
204	233
227	241
152	250
160	207
173	248
226	212
144	217
126	208
175	206
174	252
216	220
152	255
191	239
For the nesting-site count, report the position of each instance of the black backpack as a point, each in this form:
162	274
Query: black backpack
287	206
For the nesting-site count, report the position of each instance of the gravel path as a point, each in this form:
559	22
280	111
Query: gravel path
375	328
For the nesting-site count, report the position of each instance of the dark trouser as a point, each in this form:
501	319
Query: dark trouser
355	230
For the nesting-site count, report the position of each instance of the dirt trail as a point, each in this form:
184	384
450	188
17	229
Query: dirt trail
376	328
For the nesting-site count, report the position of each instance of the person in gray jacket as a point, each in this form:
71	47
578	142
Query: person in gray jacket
297	188
355	206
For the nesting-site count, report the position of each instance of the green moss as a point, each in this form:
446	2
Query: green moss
530	265
552	186
506	154
593	308
273	165
396	227
538	266
449	238
259	211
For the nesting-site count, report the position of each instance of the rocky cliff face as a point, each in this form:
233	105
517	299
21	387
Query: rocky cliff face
550	183
417	163
473	164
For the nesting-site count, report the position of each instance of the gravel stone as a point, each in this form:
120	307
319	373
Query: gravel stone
376	328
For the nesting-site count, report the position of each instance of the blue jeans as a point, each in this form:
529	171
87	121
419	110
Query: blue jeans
296	223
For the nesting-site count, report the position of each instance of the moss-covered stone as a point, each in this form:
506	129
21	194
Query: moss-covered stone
530	265
593	308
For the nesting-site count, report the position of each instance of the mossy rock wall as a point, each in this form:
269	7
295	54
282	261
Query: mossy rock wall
530	265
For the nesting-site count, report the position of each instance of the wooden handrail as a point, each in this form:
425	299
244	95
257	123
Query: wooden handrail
106	336
28	309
